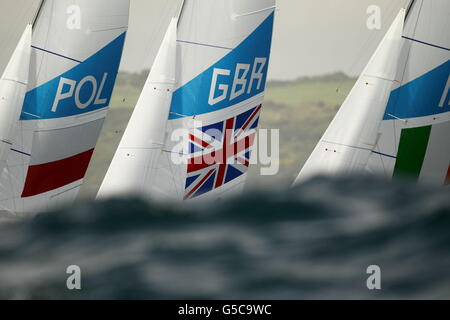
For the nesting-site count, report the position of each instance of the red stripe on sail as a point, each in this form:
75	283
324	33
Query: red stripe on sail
54	175
447	179
199	185
204	144
249	120
216	157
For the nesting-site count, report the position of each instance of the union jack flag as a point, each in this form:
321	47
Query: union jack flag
220	153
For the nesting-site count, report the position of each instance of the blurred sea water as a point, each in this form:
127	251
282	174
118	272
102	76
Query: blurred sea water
312	242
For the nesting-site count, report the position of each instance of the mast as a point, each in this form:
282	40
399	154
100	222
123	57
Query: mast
38	12
409	8
181	11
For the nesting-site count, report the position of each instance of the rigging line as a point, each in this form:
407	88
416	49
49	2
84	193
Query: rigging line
38	12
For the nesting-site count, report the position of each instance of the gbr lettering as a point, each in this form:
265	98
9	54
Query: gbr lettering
68	88
244	81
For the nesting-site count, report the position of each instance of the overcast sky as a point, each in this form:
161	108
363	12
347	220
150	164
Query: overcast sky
311	36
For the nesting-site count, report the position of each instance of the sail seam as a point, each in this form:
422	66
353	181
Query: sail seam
381	78
110	29
92	113
16	81
58	194
142	148
174	152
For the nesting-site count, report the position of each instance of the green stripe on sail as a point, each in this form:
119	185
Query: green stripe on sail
411	153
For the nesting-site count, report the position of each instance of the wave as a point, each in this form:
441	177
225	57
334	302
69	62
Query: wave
312	242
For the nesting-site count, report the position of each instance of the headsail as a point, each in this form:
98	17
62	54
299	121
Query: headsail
77	47
223	50
13	87
414	132
351	138
143	140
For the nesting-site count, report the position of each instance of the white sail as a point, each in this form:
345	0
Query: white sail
413	137
13	87
352	136
222	58
76	52
143	140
